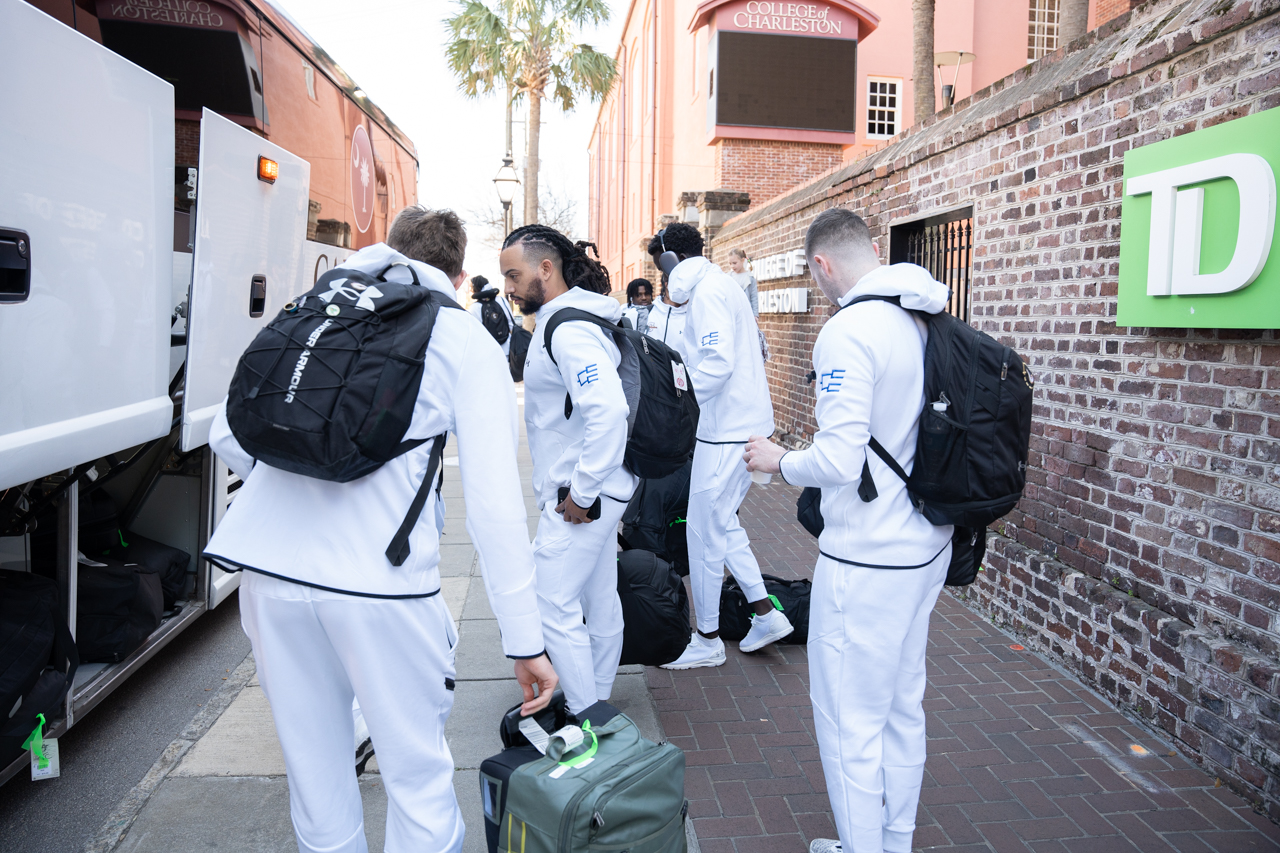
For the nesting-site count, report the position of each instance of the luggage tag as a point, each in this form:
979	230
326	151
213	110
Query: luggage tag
44	753
573	737
682	381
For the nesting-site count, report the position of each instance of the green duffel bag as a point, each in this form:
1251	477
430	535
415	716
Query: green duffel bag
616	792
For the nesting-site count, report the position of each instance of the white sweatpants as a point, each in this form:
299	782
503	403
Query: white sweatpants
577	567
717	485
317	650
868	631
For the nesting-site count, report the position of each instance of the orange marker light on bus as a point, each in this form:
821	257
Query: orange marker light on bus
268	170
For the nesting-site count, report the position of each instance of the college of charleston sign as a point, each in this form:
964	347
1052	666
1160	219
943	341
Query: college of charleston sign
837	19
201	14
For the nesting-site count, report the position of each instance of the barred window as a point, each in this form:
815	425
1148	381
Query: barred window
1042	29
882	107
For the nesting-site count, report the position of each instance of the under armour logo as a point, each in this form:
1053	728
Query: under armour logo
362	297
710	339
832	380
587	375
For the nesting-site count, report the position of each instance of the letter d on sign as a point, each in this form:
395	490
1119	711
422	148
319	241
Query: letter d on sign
1173	265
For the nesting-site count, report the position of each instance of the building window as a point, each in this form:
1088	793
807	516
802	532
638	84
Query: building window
1042	29
310	74
882	107
943	245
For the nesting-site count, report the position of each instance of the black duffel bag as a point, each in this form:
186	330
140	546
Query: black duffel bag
119	605
169	563
792	598
655	609
655	518
38	658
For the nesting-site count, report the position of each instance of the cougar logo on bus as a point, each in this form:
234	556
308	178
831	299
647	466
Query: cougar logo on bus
296	380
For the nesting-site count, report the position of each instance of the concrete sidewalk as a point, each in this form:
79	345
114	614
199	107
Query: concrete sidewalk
224	786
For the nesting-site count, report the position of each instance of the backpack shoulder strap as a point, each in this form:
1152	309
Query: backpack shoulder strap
570	314
398	551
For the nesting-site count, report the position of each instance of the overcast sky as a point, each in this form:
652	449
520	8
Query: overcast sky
394	50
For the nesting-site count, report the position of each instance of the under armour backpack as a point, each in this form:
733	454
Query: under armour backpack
493	317
662	426
327	388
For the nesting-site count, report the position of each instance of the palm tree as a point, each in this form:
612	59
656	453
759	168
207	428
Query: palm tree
922	58
528	45
1073	21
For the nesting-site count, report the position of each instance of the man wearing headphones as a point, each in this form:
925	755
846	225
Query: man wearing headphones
727	371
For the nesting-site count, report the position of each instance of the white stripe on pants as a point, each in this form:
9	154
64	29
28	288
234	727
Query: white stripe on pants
315	650
577	567
717	485
868	633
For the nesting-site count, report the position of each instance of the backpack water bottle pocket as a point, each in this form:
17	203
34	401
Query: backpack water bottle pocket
942	442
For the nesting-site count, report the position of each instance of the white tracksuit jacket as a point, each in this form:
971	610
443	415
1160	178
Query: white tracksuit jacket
334	535
666	323
475	311
870	364
722	342
584	451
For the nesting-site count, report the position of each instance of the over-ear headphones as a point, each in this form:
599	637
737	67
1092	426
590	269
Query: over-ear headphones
667	261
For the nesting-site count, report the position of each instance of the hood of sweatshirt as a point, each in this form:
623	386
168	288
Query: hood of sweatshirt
376	258
918	291
600	304
685	277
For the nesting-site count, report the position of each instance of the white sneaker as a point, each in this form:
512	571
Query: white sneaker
699	652
765	630
825	845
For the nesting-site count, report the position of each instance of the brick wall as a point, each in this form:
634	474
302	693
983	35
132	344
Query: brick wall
1145	554
186	142
764	168
1108	10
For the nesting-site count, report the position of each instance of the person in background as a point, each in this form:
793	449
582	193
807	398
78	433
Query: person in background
577	445
491	309
639	303
667	320
881	564
331	619
745	278
727	372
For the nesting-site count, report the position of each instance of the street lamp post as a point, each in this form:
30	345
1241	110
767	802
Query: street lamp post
506	182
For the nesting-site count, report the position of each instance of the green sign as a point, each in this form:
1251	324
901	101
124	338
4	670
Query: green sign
1197	240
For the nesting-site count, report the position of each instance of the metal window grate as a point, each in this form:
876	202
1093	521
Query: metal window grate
944	246
1042	28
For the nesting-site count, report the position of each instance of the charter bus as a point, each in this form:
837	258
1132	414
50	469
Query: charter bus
177	171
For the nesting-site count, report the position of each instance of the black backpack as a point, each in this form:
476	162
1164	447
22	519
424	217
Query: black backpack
494	318
663	425
327	389
655	519
971	447
38	658
793	596
520	339
655	609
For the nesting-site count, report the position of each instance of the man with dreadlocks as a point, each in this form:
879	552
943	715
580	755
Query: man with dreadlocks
726	368
577	445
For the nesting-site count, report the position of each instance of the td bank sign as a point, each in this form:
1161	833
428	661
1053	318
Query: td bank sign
1198	223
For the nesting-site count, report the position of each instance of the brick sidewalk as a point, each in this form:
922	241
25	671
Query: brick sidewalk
1021	757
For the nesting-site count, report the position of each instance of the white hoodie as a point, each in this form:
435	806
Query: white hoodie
334	535
585	450
870	364
666	323
722	342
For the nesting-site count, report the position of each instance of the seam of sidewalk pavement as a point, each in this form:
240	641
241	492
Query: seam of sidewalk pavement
113	830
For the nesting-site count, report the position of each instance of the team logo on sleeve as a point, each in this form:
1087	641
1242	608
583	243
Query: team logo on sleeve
832	380
587	375
710	339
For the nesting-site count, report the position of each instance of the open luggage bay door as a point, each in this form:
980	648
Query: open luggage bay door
86	235
251	225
